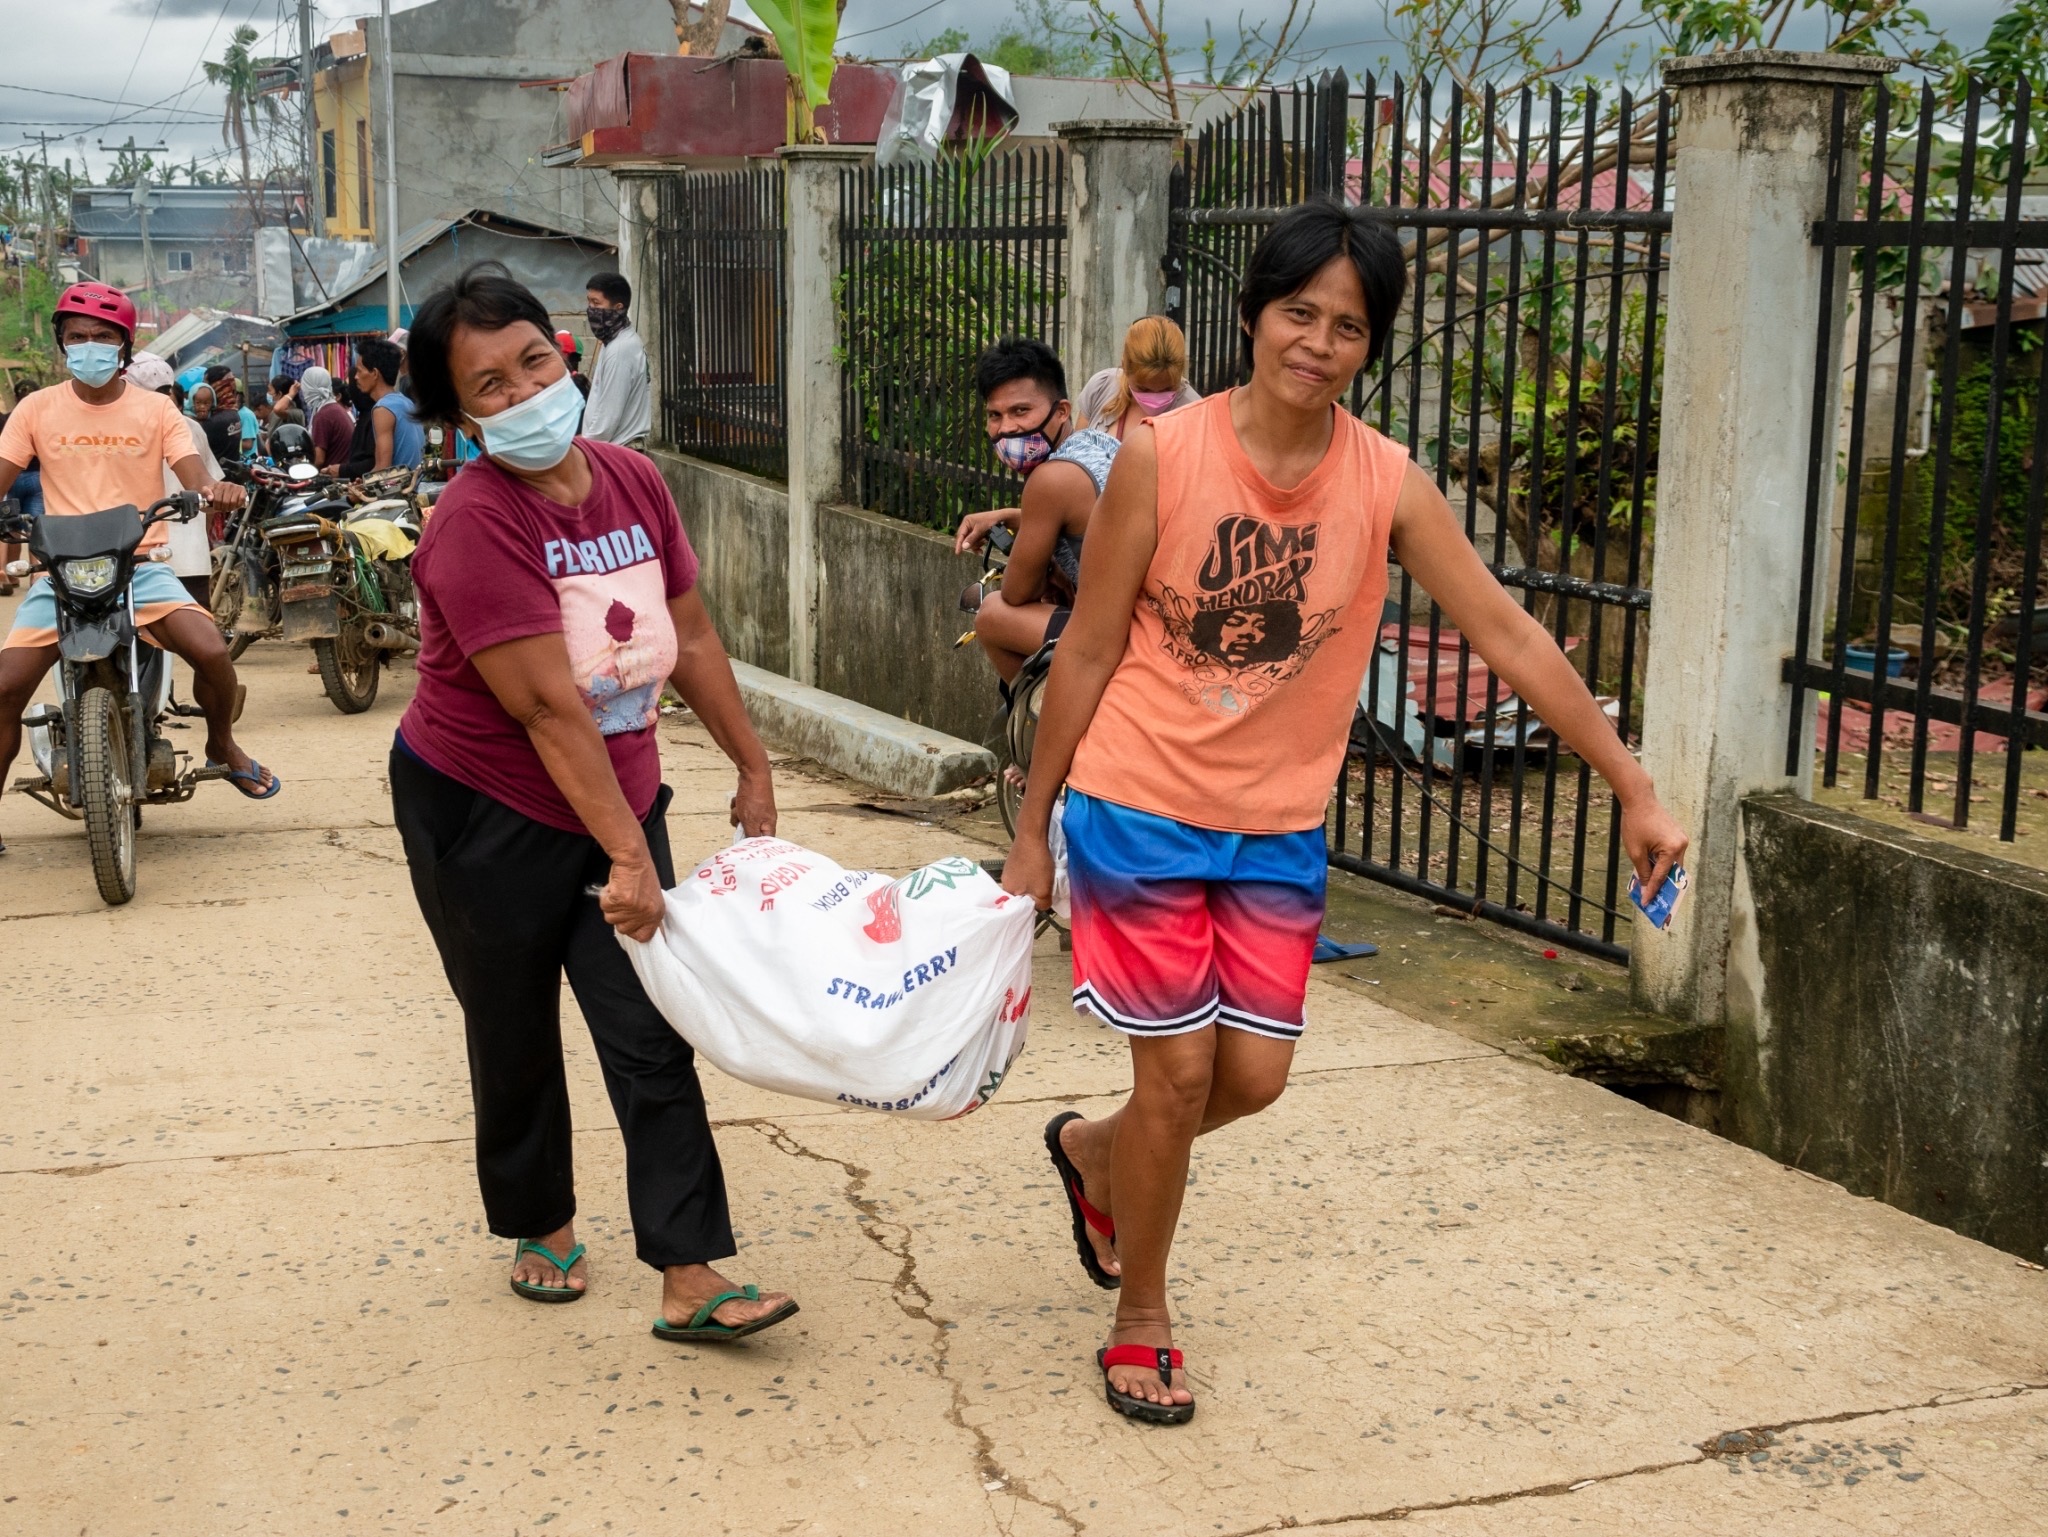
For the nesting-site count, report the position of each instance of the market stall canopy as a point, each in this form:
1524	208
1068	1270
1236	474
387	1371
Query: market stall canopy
553	263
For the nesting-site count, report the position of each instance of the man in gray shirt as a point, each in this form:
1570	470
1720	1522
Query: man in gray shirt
621	406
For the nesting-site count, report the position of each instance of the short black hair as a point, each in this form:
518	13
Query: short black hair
218	372
1301	243
1019	357
381	357
613	286
485	296
279	383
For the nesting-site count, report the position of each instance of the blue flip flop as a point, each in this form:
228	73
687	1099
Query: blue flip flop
252	775
1328	949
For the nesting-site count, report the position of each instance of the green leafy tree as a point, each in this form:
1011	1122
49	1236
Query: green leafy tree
246	105
1048	37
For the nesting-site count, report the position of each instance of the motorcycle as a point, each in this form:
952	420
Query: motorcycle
100	753
242	593
345	584
1015	727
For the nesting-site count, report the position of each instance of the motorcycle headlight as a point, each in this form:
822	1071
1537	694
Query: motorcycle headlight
91	576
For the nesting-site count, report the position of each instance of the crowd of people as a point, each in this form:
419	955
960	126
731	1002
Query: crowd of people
1213	570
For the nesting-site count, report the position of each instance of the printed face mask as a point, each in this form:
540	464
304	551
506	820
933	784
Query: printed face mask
1027	448
605	323
535	434
1153	401
92	364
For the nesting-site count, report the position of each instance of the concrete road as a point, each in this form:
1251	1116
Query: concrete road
248	1289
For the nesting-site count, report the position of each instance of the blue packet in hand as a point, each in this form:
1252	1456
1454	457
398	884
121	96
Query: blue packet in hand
1660	907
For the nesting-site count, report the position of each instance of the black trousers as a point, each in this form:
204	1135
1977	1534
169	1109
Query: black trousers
504	897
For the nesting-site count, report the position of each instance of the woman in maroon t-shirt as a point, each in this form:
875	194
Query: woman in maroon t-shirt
557	594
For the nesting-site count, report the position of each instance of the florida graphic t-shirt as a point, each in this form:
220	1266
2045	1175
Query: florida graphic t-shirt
500	562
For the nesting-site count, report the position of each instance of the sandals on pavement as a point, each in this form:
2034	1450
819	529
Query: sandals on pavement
703	1329
244	779
1085	1216
1129	1405
533	1291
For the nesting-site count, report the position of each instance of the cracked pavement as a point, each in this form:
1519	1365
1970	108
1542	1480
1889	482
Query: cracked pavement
1436	1285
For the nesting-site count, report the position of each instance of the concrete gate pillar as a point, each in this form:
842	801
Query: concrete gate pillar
639	216
1741	361
1117	192
811	388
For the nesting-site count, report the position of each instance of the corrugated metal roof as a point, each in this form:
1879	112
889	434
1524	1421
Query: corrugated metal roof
209	214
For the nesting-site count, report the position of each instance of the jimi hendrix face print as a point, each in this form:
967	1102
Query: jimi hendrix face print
1247	624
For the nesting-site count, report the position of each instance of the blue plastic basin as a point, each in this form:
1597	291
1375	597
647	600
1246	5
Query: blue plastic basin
1863	659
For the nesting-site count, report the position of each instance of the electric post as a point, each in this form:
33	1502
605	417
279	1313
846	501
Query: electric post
316	183
47	236
143	196
392	290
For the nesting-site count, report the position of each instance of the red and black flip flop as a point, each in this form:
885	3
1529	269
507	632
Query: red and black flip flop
1167	1362
1085	1216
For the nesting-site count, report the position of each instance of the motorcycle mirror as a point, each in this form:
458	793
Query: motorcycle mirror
303	471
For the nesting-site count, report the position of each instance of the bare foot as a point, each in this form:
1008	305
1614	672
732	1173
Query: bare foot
1143	1381
535	1271
1085	1144
686	1288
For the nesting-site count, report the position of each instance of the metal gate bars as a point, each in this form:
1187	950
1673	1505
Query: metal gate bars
1930	640
1524	374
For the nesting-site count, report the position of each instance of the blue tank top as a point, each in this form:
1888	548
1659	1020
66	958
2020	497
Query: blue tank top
408	437
1094	451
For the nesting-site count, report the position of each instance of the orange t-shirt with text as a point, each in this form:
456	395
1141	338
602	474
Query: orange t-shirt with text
1233	701
96	457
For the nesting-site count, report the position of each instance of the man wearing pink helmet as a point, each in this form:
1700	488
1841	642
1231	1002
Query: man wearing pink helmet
103	443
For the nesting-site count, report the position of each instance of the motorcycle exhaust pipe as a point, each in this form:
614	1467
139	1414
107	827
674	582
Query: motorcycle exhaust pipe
386	637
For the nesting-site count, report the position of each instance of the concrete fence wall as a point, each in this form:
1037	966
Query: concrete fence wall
887	597
1888	1018
739	526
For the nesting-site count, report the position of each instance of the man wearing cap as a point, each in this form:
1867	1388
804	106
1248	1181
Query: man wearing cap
572	355
103	443
191	550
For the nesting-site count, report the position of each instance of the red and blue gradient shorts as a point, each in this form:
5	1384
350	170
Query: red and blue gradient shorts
1177	928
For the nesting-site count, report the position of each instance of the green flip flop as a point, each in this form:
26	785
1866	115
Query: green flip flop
536	1293
702	1329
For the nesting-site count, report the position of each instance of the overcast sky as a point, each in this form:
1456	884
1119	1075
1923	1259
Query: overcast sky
96	71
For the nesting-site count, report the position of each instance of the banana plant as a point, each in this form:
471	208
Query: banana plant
805	31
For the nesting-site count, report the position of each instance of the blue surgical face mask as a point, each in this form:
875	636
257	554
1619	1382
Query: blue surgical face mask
92	364
535	434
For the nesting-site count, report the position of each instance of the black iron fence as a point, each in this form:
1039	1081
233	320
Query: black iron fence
1922	624
1524	374
718	260
937	262
1284	146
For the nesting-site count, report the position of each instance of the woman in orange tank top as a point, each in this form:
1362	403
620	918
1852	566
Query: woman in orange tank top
1197	714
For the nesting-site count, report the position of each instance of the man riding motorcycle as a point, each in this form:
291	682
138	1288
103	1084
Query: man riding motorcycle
103	443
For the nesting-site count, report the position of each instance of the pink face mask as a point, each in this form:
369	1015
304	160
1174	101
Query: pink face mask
1154	401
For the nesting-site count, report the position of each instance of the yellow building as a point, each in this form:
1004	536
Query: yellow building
350	195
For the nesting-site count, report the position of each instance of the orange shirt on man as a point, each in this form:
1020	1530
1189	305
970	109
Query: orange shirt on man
96	457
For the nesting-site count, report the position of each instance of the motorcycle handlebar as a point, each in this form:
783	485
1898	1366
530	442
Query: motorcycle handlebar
181	506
